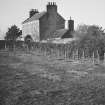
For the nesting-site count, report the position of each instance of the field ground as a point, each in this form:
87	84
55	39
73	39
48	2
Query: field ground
33	79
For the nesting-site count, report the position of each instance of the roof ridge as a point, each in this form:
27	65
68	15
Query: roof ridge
34	17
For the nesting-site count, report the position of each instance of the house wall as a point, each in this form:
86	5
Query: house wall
47	26
31	28
43	27
60	24
49	23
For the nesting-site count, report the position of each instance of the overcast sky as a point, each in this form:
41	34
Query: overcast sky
82	11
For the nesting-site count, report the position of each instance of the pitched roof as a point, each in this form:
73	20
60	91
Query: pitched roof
61	16
37	16
59	33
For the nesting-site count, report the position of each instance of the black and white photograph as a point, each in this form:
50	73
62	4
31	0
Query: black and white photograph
52	52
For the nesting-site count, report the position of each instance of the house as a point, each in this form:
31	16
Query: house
43	25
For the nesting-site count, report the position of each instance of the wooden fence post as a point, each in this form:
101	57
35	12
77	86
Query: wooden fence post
93	58
98	60
104	57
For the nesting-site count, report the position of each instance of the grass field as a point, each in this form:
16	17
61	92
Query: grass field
33	79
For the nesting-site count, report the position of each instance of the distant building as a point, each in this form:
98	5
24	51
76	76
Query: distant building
46	25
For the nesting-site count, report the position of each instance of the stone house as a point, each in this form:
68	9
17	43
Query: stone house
43	25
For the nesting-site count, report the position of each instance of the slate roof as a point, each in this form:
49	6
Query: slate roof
37	16
59	33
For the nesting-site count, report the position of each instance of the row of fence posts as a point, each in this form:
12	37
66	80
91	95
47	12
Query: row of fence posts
65	54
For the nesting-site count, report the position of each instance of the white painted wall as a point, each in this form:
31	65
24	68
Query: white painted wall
31	28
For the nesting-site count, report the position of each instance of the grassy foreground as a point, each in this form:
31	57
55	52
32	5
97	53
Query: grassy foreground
32	79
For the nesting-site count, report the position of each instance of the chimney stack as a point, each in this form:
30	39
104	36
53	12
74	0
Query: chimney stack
33	12
51	7
71	25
